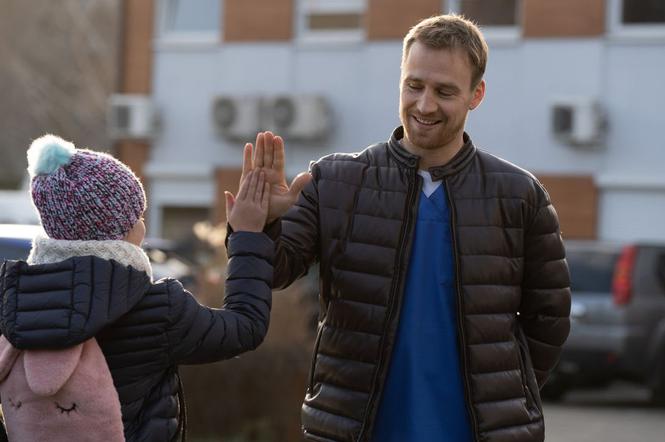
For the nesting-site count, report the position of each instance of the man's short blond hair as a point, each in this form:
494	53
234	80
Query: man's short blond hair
451	31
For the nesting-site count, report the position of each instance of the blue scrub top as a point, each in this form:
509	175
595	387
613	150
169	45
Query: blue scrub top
423	398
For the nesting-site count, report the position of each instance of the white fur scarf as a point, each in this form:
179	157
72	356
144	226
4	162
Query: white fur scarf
48	251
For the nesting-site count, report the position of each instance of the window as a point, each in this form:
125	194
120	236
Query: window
591	270
636	18
331	20
177	222
489	13
499	19
190	21
643	11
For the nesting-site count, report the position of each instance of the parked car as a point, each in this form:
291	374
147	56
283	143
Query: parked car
617	318
16	240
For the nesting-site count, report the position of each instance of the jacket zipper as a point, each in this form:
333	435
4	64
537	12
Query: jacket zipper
460	312
398	284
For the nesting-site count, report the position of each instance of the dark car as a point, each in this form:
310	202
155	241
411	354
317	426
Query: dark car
617	318
16	240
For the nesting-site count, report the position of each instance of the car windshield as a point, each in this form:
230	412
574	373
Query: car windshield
591	270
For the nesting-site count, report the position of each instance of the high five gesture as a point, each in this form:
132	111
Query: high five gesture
268	156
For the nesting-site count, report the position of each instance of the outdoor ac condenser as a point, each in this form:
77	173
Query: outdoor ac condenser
306	118
579	121
237	118
131	117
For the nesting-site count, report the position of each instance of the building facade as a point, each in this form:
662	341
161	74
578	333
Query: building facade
574	93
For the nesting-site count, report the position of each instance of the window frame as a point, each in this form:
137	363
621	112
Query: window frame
618	30
495	34
306	36
170	38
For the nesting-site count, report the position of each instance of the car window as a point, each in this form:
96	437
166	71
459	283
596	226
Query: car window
591	270
12	248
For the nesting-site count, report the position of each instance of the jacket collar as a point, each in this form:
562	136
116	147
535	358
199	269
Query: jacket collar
407	159
46	250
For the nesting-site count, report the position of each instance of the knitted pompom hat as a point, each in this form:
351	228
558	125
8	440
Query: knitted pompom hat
81	194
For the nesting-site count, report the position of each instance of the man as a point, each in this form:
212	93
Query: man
443	282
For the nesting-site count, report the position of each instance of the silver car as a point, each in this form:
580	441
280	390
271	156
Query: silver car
617	318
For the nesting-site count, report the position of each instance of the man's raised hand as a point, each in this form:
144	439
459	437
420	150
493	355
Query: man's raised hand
268	155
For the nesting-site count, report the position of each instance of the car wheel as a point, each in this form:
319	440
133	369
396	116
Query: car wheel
658	383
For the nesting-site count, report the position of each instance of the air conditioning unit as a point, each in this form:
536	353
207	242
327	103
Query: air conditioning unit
298	117
579	121
237	118
131	117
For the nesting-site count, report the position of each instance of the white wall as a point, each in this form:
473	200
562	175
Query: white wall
361	82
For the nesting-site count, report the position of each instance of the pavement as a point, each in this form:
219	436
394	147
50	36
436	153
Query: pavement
620	413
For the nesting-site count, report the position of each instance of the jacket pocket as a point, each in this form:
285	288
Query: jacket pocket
523	373
528	374
312	437
312	368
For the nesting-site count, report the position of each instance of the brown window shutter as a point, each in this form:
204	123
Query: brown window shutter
135	155
136	72
575	199
392	19
258	20
226	179
137	46
563	18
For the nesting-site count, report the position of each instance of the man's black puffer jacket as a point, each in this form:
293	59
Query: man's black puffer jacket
356	217
145	330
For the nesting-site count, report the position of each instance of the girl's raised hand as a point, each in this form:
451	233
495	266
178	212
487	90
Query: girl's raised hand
249	210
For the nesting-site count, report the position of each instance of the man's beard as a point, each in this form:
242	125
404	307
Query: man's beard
431	140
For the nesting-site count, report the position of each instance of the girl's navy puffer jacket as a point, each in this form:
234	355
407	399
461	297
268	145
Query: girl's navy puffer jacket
144	329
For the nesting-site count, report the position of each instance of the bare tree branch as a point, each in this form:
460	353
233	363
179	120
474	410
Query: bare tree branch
58	66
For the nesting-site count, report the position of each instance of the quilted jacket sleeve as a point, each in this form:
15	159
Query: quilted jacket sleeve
545	305
297	235
200	334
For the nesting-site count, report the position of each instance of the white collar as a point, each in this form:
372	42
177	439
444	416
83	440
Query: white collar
429	186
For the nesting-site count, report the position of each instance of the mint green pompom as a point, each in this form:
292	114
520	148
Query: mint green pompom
47	154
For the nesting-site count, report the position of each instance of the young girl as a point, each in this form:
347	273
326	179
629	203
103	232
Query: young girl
89	278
